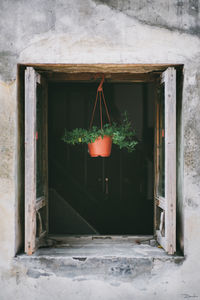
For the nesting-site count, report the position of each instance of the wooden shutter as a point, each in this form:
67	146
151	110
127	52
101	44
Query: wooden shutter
165	162
36	161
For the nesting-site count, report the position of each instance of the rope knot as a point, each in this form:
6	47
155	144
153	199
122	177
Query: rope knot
100	89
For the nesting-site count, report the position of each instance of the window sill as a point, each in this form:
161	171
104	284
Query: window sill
112	256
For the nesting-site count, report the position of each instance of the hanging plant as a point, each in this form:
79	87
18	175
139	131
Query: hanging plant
100	140
121	135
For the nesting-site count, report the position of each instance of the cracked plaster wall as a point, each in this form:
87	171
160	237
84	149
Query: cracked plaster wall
101	32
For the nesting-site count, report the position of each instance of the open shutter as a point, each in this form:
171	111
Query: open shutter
36	173
165	162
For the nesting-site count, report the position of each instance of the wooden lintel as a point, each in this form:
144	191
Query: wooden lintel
102	68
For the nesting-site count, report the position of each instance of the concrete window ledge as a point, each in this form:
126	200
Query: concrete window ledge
108	256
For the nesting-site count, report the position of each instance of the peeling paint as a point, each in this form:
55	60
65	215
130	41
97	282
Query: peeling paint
36	274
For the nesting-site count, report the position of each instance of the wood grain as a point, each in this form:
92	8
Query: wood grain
170	159
30	160
33	205
102	68
167	204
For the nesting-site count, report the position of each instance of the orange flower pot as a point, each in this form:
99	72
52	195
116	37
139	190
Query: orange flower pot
101	147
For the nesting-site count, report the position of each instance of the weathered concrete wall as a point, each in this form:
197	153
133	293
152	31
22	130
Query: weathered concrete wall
101	32
178	15
7	169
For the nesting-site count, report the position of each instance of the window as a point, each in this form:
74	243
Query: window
36	149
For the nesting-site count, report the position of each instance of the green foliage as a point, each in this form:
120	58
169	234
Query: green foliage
122	134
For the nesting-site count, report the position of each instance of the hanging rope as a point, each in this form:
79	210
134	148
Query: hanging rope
100	96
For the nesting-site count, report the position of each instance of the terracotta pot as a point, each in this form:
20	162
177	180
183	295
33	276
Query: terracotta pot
101	147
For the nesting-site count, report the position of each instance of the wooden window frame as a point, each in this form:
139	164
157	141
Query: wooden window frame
167	203
134	74
34	204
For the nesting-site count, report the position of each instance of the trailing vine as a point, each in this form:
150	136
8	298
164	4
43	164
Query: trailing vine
123	135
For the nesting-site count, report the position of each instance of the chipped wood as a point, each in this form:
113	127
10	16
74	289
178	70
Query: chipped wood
40	202
160	202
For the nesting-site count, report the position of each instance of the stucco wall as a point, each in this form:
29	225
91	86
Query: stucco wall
101	32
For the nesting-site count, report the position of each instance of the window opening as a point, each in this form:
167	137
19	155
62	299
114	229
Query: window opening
111	194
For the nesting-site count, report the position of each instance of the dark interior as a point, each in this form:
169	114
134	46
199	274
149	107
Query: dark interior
105	196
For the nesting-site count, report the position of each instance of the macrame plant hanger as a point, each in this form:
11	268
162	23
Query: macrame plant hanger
100	96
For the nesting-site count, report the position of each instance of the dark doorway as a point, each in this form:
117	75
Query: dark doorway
106	196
